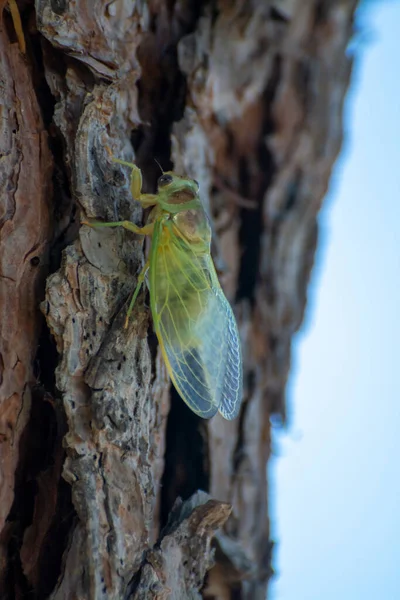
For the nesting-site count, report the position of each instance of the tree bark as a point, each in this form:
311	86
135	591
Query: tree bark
101	462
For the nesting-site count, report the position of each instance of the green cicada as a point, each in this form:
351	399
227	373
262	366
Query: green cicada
193	320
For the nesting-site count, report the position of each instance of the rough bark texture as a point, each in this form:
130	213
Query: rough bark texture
96	448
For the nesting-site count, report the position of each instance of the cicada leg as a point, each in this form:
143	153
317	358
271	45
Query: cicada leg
136	182
16	17
146	230
141	277
136	176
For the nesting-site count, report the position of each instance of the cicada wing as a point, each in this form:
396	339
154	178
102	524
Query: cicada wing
197	332
232	385
189	378
220	351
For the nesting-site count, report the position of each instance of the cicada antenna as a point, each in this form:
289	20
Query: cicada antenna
161	169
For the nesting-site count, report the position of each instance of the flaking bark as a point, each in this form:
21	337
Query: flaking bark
245	97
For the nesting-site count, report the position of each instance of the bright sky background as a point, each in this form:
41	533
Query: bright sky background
336	480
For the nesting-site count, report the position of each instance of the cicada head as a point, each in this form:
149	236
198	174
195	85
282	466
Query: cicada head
179	196
177	193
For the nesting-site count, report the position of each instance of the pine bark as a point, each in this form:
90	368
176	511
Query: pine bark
110	487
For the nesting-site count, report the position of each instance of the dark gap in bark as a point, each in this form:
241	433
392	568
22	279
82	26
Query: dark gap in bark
44	96
249	239
48	451
162	99
214	12
292	198
251	221
186	446
292	195
303	78
62	203
15	584
138	137
237	454
46	360
321	12
53	547
56	542
162	87
133	584
5	15
269	96
185	17
154	141
41	454
41	434
170	4
276	15
40	447
19	518
153	347
236	592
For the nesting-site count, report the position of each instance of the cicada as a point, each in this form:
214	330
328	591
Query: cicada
193	320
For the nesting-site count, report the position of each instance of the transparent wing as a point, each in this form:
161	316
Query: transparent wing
197	331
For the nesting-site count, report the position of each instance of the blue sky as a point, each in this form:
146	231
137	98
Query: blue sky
335	488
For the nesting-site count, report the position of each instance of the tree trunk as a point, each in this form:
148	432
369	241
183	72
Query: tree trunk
101	462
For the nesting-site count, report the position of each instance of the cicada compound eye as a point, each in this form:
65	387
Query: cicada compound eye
164	180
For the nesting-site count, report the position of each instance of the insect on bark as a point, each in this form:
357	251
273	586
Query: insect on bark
193	321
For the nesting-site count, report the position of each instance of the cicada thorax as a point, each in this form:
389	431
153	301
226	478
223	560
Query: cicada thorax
194	227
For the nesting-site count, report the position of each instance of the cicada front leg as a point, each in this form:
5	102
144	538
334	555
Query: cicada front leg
136	182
